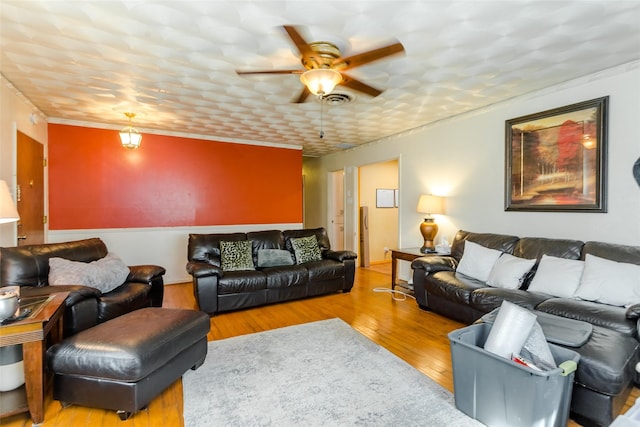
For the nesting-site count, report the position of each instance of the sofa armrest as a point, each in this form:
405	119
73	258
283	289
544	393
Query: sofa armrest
145	273
339	255
81	305
77	293
435	263
633	311
201	269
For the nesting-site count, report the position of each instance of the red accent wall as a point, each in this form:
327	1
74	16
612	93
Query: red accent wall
169	181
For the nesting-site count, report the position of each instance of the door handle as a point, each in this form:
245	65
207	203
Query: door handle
22	237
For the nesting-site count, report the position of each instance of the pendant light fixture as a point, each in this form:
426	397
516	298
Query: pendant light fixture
320	81
129	136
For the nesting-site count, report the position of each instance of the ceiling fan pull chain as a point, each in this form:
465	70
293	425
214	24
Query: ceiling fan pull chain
321	115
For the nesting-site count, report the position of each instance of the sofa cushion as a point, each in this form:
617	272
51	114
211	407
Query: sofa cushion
509	271
609	282
306	249
324	270
607	316
105	274
488	299
274	257
558	277
286	277
477	261
453	286
536	247
236	255
236	282
501	242
603	370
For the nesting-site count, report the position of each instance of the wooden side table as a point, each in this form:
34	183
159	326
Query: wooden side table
33	332
406	254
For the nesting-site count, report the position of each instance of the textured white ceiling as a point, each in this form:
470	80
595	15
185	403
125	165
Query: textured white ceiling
173	62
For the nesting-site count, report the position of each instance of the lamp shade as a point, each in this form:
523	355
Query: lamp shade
8	211
320	81
430	204
130	138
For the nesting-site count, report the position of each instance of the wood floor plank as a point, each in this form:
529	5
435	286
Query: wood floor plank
416	336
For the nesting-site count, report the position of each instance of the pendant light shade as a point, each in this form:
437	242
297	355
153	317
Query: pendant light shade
129	136
320	81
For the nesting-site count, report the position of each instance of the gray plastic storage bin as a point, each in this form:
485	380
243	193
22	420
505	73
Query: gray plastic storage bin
499	392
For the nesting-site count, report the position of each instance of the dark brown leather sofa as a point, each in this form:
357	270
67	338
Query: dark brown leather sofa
606	371
217	290
28	267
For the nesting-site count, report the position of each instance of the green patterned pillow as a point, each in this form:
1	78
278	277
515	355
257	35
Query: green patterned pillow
306	249
236	255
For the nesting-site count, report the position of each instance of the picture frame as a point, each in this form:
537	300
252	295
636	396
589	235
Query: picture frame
556	159
384	198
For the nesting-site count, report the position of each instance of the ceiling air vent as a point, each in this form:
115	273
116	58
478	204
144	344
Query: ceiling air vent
335	98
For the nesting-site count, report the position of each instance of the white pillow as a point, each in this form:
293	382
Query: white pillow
609	282
477	261
105	274
558	277
509	271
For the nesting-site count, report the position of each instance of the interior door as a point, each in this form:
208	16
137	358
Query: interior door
30	191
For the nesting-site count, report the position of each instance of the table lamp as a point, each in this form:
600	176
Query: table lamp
430	205
8	212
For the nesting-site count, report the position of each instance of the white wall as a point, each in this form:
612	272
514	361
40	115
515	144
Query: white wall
463	158
17	113
164	246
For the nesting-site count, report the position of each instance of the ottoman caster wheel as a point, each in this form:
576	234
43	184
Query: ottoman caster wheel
124	415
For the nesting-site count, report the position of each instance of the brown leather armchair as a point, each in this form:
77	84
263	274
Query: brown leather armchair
28	267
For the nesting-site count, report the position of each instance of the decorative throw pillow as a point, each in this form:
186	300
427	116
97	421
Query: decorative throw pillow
609	282
558	277
274	257
477	261
105	274
306	249
509	271
236	255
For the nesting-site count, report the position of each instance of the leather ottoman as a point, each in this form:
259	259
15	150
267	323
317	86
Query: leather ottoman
126	362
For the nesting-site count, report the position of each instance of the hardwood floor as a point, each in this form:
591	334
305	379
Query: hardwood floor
417	336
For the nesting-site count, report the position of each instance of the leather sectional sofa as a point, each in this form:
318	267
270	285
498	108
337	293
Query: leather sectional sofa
606	371
29	267
219	289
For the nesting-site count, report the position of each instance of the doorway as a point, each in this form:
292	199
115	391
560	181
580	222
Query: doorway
375	181
30	190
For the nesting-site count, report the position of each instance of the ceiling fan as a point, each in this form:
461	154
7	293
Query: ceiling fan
324	66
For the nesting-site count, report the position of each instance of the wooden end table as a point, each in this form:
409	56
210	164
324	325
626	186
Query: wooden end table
406	254
44	325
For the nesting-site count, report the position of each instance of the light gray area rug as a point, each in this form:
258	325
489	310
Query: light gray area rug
318	374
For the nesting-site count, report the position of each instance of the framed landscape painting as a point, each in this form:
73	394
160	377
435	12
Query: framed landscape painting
556	159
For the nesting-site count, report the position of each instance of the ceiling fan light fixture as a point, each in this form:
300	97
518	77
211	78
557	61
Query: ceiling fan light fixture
129	136
320	81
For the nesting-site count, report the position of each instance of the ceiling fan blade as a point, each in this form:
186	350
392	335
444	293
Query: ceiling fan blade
271	72
366	57
304	94
298	40
354	84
